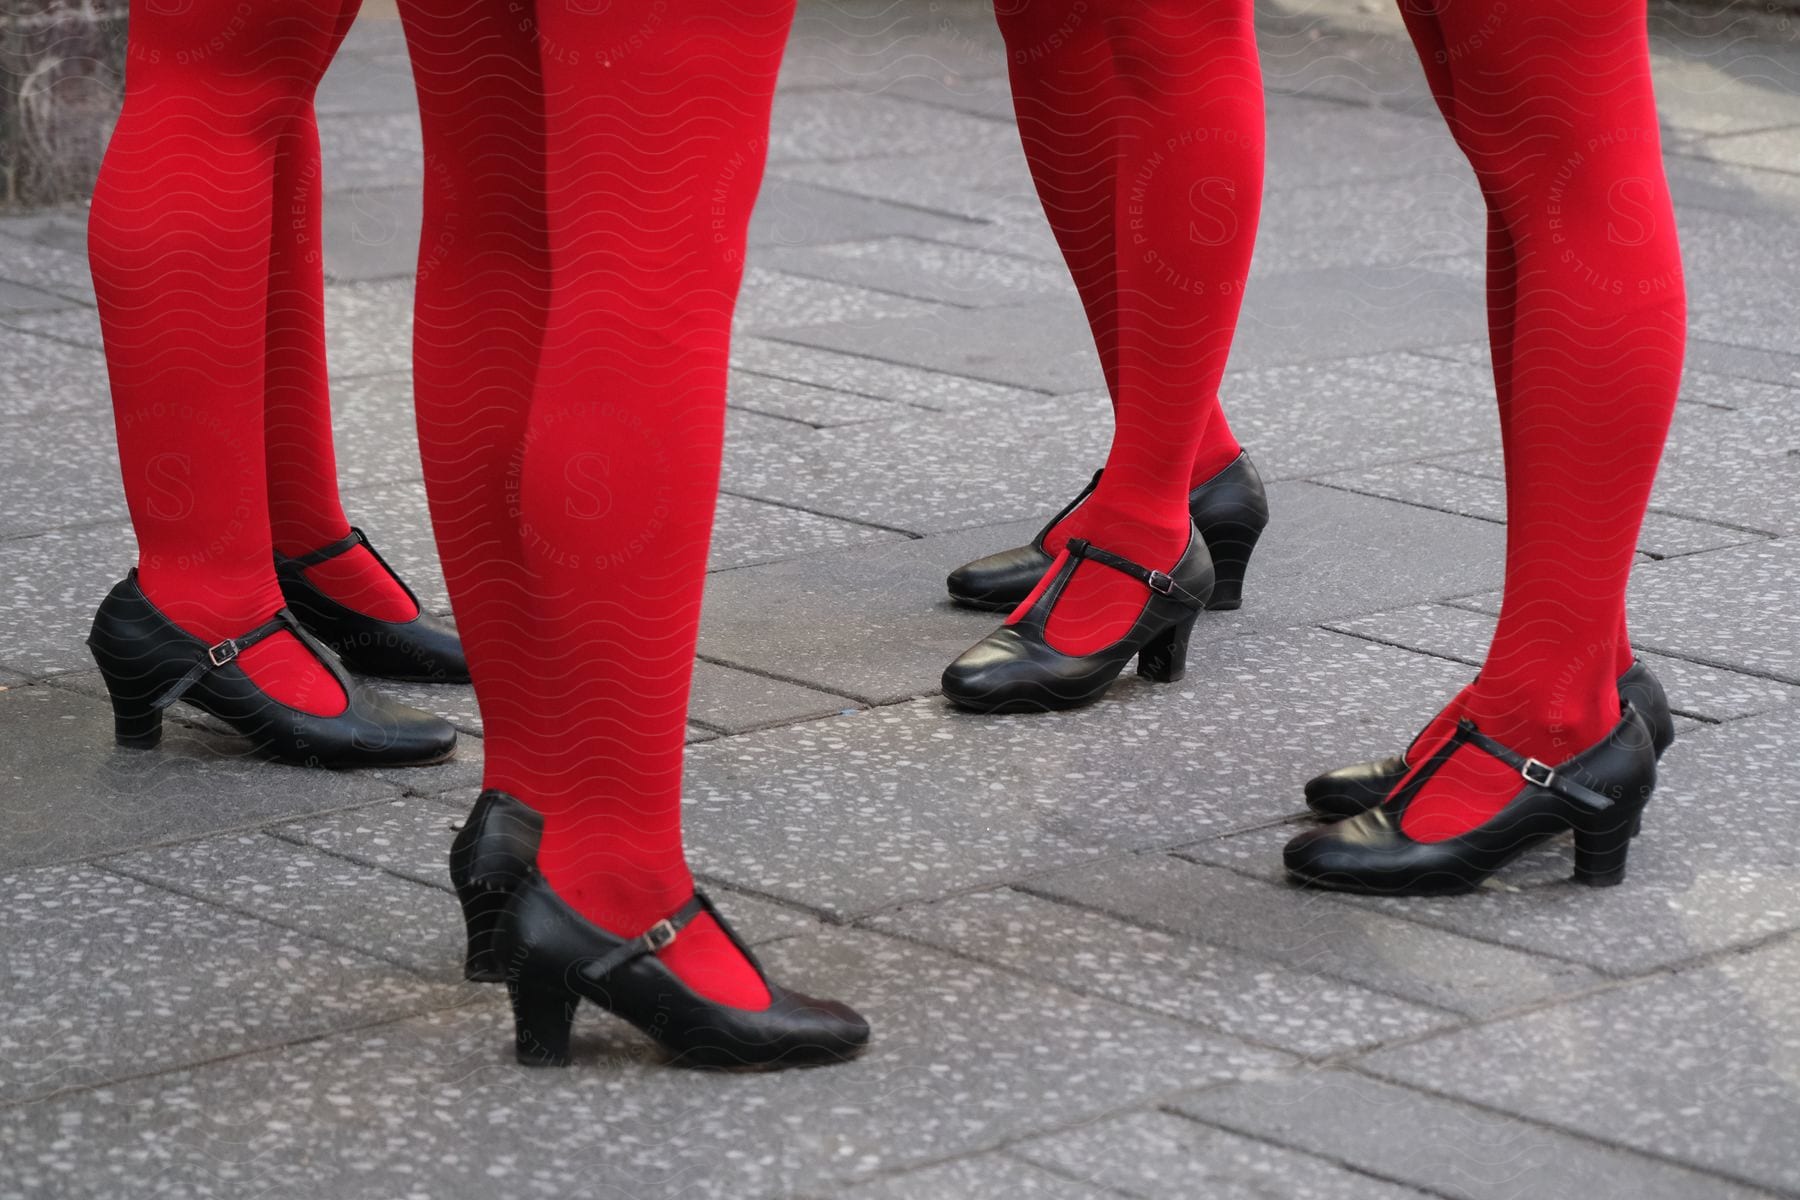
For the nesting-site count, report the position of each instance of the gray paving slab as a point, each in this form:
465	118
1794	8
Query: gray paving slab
79	326
749	531
50	255
870	377
1704	877
49	377
72	794
1373	223
991	183
371	232
1161	1156
435	1105
870	47
1717	1093
773	300
1044	345
1157	971
1726	187
983	1177
368	327
928	270
841	125
982	96
792	213
108	977
1333	312
817	407
1318	144
365	83
1310	933
345	904
734	701
58	470
1664	535
369	150
911	802
19	298
1771	366
1448	1147
1459	633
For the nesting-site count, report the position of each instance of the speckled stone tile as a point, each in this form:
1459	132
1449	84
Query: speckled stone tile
748	531
1370	223
365	150
1428	485
734	701
814	406
1699	1067
1449	631
377	437
49	254
16	298
346	904
48	377
1160	1156
368	326
363	83
964	1058
984	1177
870	377
58	470
839	125
1044	345
865	47
982	96
1308	315
463	769
1310	932
1154	970
853	814
917	474
80	326
407	837
1446	1146
791	213
775	300
929	270
1426	370
1727	391
371	233
986	192
108	977
1745	362
1704	876
71	793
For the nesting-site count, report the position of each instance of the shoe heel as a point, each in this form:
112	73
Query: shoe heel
1164	657
1600	853
542	1018
481	909
137	723
1230	546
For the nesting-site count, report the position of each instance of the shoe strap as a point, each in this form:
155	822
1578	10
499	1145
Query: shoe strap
1534	771
220	653
343	545
650	941
1159	582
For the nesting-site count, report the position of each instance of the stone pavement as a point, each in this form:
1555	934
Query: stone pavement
229	978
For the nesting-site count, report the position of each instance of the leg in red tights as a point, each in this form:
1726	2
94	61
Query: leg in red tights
180	244
304	510
1587	314
1143	125
585	220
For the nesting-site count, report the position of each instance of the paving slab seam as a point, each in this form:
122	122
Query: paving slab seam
110	867
800	273
913	408
776	170
64	1093
1696	1168
816	512
777	336
1321	1060
765	673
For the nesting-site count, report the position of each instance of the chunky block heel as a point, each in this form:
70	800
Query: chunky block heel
1231	546
542	1019
1601	850
481	907
494	850
1164	658
137	723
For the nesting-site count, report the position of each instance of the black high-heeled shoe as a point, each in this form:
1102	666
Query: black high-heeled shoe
1230	510
1015	669
1360	787
494	850
425	649
1599	794
554	959
149	663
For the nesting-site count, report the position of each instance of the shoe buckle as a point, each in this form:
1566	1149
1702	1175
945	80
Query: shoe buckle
659	935
1538	772
1160	582
222	653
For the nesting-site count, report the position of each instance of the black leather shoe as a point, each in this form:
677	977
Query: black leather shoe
422	650
1014	669
1230	510
1358	788
1599	794
555	959
494	850
149	662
